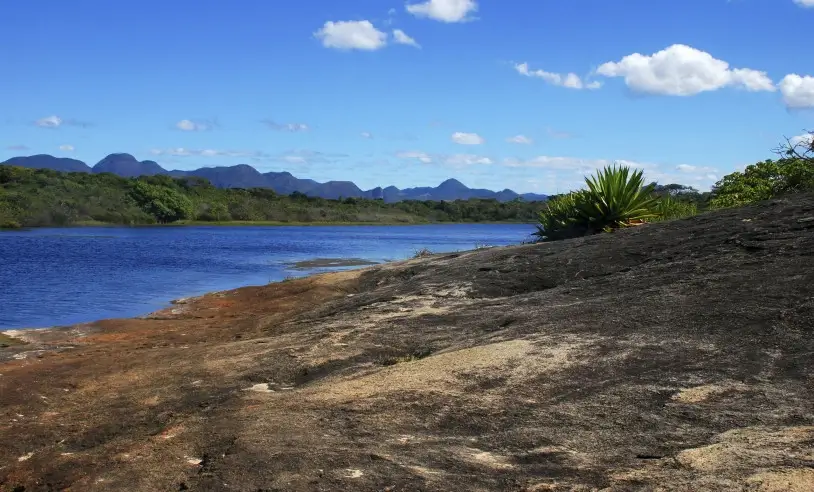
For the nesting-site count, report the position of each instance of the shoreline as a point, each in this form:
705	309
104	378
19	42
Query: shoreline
10	337
103	225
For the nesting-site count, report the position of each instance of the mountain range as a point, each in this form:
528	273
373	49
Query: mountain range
245	176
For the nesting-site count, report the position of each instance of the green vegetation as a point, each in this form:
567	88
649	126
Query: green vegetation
793	172
617	197
762	181
41	197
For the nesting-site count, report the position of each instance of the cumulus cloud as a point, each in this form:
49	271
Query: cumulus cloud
463	138
55	121
400	37
520	139
351	35
195	125
682	70
805	3
569	80
797	90
444	10
287	127
66	148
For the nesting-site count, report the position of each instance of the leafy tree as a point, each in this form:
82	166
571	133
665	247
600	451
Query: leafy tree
762	181
165	204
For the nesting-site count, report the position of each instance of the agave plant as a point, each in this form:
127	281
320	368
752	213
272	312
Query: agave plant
560	218
617	197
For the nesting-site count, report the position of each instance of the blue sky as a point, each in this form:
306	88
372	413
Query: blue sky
524	94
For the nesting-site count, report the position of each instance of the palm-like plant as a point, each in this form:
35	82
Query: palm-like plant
560	218
617	197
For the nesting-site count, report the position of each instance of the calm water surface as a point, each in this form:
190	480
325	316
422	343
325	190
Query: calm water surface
54	277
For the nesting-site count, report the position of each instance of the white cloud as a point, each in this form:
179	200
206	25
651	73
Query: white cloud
467	138
569	80
520	139
461	160
351	35
805	139
797	90
805	3
444	10
681	70
367	135
66	148
687	168
454	160
287	127
564	163
401	37
421	156
193	126
184	152
49	122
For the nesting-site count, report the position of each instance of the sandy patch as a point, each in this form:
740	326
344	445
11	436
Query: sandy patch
449	371
700	394
798	480
750	448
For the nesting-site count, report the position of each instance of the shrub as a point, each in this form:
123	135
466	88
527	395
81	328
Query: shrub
560	219
668	208
762	181
10	224
422	253
616	197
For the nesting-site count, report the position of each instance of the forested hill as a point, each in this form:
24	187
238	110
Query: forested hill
43	197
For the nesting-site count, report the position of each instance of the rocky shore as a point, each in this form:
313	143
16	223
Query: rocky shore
674	356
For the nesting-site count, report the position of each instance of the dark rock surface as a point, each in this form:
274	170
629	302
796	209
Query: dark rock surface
675	356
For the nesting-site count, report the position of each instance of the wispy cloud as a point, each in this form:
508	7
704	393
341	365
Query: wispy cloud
18	147
367	135
286	127
400	37
520	140
197	125
463	138
185	152
55	121
453	160
66	148
569	80
307	156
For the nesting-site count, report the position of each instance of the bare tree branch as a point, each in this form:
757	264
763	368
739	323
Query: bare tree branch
800	147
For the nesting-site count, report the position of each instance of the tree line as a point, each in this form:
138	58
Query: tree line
43	197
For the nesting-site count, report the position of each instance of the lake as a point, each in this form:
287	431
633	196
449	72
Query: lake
61	276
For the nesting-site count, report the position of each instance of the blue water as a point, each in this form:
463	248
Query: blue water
52	277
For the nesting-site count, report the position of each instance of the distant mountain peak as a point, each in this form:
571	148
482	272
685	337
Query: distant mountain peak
283	182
